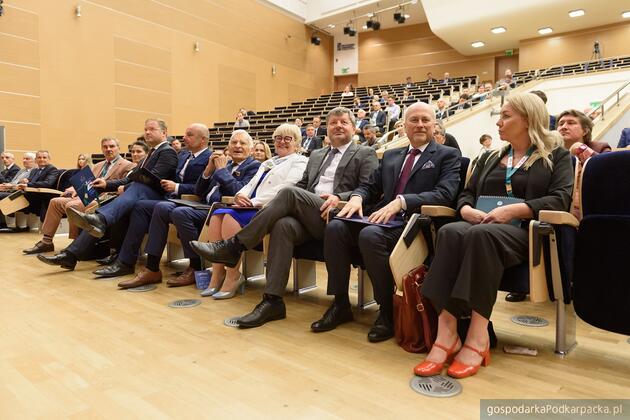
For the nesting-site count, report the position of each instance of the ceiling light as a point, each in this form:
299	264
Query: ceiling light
370	15
576	13
498	30
407	16
331	26
352	32
346	30
366	26
545	31
625	15
477	44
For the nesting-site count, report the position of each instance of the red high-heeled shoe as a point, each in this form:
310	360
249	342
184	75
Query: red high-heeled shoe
428	368
460	370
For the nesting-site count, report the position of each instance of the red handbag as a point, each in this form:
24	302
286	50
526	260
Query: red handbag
415	319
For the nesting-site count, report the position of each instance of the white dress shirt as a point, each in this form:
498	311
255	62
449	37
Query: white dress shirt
327	179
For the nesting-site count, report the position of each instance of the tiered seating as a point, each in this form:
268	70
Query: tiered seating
576	68
264	123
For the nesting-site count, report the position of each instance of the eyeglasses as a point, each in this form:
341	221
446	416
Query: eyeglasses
438	133
286	139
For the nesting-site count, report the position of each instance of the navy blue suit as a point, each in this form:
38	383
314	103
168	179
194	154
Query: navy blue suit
143	209
45	177
189	221
7	174
434	179
162	162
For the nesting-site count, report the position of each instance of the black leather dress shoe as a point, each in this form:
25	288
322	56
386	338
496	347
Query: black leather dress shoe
115	270
383	329
265	311
226	252
63	259
515	297
94	224
39	248
109	260
333	317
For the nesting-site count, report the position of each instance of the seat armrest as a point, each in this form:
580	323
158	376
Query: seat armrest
227	199
191	197
438	211
558	218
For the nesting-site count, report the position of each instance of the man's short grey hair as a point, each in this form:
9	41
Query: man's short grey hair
9	155
340	111
371	129
31	155
201	129
43	151
161	123
114	139
244	134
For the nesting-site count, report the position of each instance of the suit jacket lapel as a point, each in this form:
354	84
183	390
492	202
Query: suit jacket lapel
398	164
424	157
348	154
317	160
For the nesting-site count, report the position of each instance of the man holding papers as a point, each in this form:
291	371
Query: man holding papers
113	167
407	178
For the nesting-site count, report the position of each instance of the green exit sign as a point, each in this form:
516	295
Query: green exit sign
509	53
345	70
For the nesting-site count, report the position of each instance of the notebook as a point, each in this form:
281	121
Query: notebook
487	203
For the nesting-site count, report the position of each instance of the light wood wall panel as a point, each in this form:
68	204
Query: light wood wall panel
103	73
27	136
18	79
20	51
389	56
19	107
574	46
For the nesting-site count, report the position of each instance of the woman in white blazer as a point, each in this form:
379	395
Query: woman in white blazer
283	170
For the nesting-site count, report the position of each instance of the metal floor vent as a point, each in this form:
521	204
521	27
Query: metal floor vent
530	321
143	288
184	303
435	386
231	322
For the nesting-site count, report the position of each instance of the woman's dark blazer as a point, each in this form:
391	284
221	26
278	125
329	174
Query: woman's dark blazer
547	188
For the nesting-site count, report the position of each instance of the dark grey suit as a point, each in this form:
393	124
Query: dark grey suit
293	216
434	180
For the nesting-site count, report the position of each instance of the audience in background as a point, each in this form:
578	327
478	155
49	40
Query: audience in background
441	110
430	77
84	160
261	151
393	112
13	222
176	145
241	122
369	134
447	78
624	139
356	104
408	83
378	117
543	96
10	167
347	91
311	141
320	130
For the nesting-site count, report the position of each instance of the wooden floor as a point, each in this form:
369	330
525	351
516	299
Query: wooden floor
75	347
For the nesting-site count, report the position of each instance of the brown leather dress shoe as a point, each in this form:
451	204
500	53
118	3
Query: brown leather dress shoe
144	277
39	248
185	279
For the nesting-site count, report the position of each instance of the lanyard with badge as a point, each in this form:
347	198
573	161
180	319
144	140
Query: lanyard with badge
511	170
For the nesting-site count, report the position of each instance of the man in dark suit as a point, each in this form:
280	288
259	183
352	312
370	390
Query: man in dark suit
161	162
45	176
192	162
320	130
378	117
218	177
408	178
298	214
624	139
311	141
10	167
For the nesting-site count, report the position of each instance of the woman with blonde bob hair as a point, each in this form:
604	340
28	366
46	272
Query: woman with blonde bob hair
531	173
283	170
261	151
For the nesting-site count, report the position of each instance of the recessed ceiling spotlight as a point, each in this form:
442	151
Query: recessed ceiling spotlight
545	31
331	26
576	13
477	44
407	16
370	15
498	30
365	26
625	15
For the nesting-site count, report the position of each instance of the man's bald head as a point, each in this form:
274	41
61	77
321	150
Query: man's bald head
419	123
